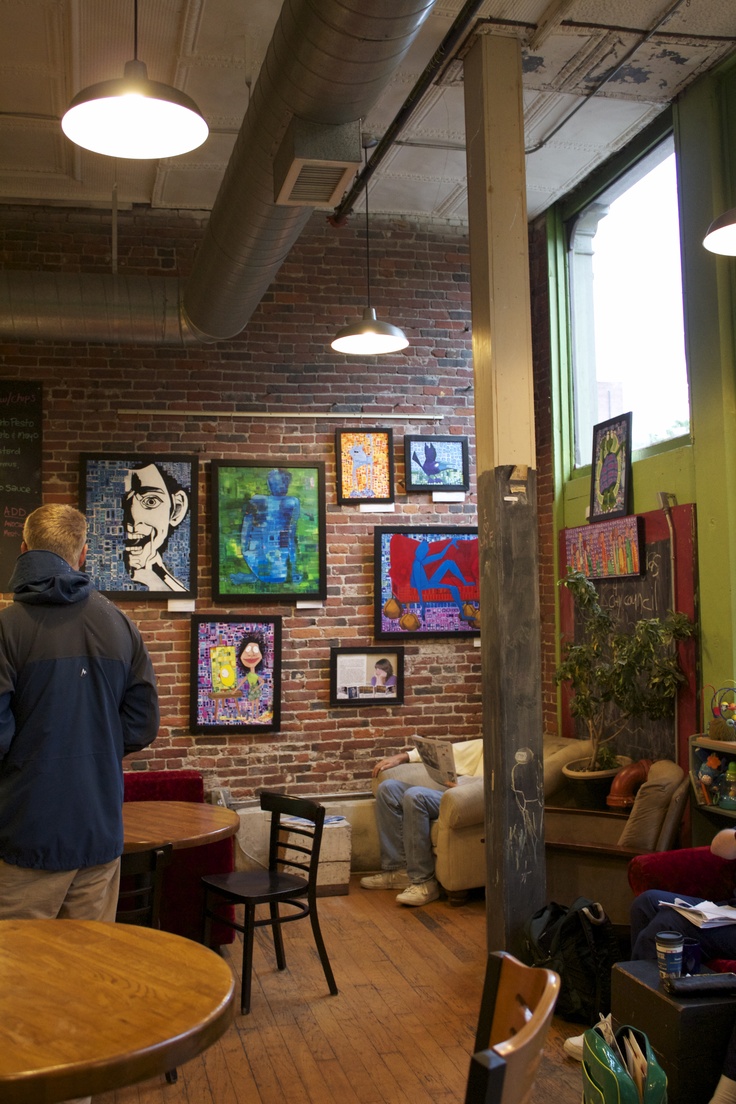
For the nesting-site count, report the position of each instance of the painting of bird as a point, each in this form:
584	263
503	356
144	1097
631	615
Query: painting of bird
431	466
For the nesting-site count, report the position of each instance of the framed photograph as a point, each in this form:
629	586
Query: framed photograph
142	530
235	674
607	550
436	463
269	542
610	474
366	676
364	463
426	582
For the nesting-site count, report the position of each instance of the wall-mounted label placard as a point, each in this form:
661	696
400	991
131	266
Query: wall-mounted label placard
20	465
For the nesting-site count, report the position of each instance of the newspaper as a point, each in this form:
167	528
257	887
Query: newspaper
704	914
438	758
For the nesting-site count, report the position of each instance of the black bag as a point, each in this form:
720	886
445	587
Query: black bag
579	944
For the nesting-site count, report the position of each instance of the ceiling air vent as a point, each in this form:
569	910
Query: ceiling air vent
316	163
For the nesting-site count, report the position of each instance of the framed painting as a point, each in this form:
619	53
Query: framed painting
426	582
607	550
436	463
235	683
366	676
610	474
269	541
364	464
142	531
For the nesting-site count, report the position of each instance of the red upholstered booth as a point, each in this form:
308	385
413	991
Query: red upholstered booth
692	871
183	896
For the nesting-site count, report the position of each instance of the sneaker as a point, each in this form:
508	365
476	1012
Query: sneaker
419	893
574	1047
387	879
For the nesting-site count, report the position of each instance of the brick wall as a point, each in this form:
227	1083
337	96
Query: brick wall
281	364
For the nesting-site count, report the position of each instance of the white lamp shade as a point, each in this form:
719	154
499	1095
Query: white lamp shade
369	337
134	117
721	236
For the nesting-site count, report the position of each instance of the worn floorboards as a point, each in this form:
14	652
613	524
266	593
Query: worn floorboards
400	1030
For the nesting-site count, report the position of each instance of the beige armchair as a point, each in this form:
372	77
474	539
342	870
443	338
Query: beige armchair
458	834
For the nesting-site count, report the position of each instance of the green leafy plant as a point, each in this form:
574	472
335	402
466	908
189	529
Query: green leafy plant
616	674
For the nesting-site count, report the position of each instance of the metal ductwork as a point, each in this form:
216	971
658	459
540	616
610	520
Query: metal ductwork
327	63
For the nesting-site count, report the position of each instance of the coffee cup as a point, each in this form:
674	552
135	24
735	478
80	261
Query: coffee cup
692	956
669	953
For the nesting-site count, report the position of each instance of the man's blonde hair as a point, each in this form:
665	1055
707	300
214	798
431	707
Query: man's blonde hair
59	529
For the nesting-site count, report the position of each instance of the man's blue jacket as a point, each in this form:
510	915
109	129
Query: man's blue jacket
77	693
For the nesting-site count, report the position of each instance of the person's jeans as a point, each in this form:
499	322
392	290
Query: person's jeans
404	816
649	917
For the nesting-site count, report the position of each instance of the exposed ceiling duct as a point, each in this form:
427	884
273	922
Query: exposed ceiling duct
327	63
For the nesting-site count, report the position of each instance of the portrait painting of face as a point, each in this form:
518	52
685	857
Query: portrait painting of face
141	514
235	674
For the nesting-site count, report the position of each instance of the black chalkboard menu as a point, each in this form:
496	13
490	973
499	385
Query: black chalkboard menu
20	465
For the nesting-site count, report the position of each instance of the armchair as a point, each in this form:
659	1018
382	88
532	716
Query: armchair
692	871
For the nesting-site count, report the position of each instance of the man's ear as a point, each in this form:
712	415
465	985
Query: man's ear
179	507
23	546
82	558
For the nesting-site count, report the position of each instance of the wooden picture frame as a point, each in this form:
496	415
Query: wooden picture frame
364	465
426	582
269	531
610	471
366	676
235	675
436	462
141	512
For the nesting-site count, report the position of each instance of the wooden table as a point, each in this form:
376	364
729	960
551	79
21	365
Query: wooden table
86	1007
149	824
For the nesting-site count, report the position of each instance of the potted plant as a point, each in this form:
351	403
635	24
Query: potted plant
617	673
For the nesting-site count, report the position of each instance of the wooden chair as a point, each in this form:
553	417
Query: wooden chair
515	1013
276	886
139	896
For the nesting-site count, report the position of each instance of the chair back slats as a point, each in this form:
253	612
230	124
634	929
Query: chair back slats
296	834
141	881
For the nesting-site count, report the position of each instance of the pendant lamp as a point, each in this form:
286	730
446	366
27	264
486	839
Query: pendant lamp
721	236
133	116
367	336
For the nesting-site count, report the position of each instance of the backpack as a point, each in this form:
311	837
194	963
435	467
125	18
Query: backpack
580	945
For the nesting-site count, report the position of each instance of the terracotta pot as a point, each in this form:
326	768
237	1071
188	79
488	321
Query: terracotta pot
589	789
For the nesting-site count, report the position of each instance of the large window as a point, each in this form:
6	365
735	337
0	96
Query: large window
628	347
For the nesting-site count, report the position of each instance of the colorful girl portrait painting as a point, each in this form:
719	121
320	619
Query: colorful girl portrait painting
236	674
427	582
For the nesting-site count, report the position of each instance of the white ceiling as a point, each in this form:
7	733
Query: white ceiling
212	50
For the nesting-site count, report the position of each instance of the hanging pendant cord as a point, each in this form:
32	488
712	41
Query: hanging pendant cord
135	29
367	247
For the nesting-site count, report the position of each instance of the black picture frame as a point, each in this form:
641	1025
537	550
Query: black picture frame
269	530
448	602
436	462
224	693
351	681
141	511
364	465
610	470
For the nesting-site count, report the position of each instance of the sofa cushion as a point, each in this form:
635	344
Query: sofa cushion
650	806
557	752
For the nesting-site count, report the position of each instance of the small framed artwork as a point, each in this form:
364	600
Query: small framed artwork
142	524
606	550
365	469
426	582
235	682
610	475
269	541
436	463
366	676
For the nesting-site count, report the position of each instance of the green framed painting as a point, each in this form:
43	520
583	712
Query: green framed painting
269	531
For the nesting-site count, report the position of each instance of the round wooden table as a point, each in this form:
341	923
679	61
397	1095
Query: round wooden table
148	824
86	1007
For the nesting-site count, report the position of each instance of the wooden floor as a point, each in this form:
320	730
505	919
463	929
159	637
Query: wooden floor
400	1030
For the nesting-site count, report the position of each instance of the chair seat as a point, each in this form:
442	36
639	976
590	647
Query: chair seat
258	886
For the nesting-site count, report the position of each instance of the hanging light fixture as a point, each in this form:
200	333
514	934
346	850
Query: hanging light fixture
367	336
133	116
721	236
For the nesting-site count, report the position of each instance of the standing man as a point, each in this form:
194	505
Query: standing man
77	693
